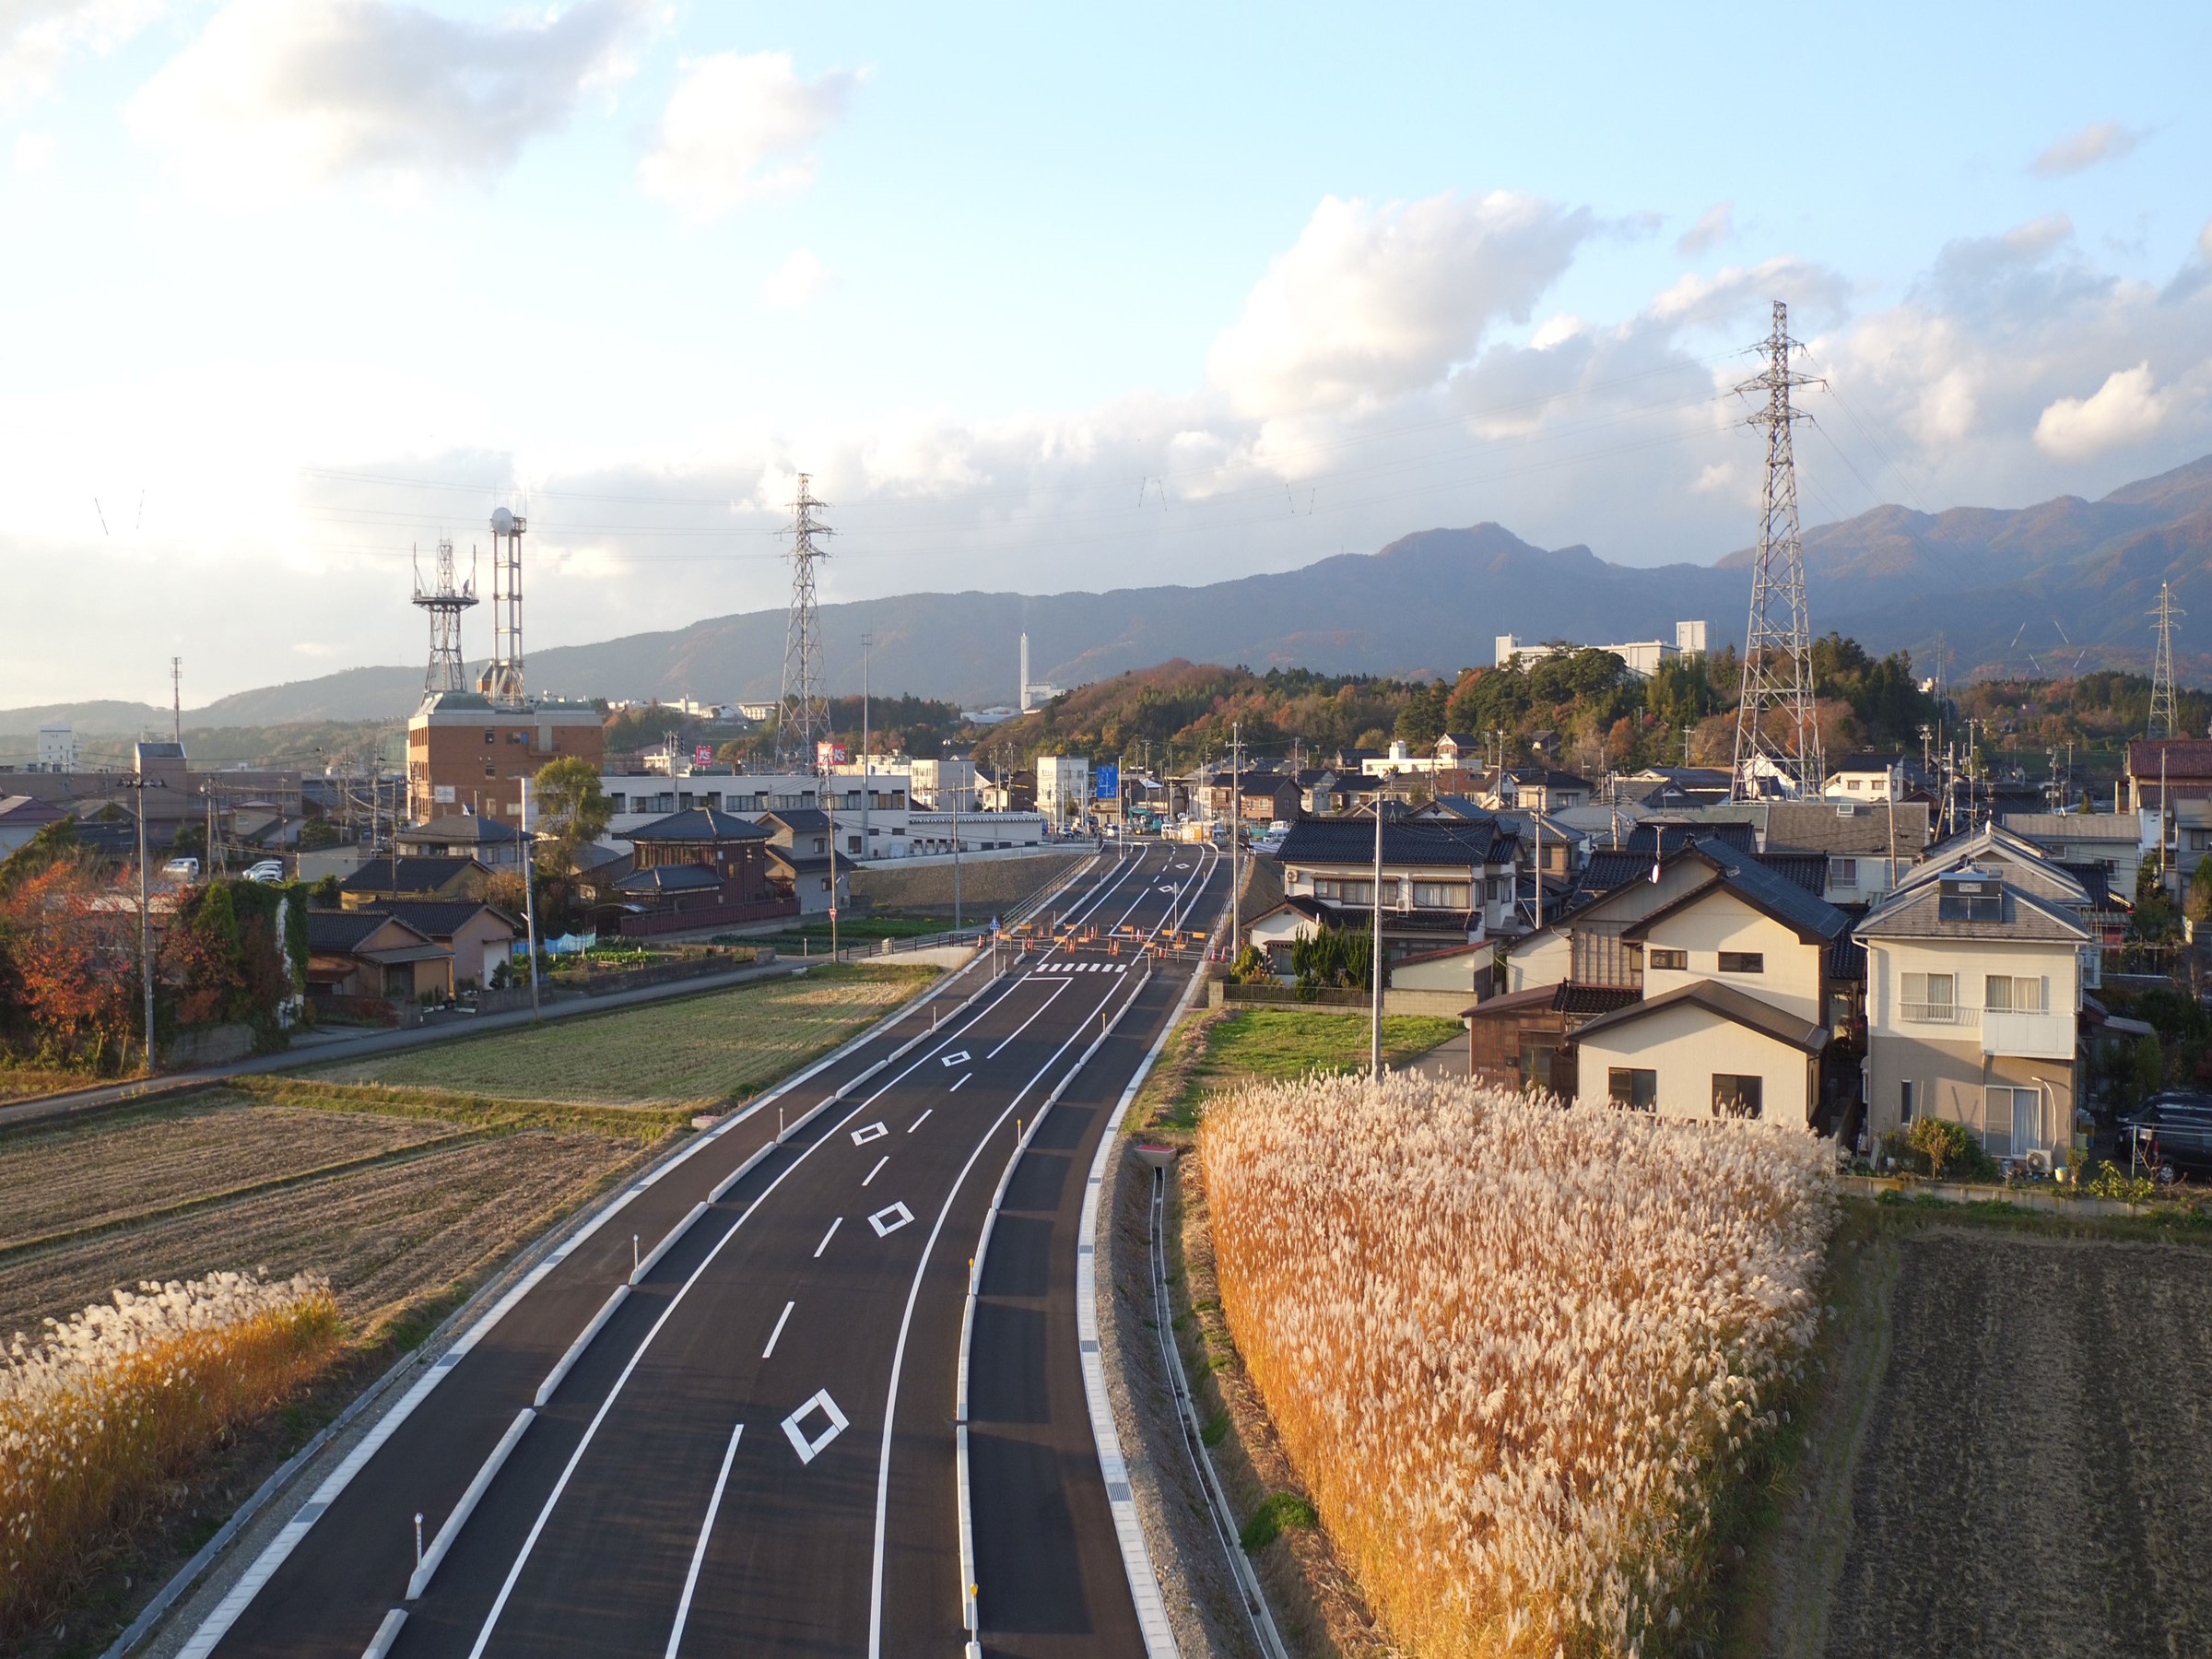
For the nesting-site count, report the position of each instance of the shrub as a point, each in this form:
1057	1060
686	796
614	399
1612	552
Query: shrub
1517	1353
102	1411
1941	1142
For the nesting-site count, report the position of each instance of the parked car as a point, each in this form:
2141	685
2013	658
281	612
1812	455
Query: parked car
2178	1126
182	869
268	869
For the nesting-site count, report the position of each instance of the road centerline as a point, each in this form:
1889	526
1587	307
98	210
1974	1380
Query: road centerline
769	1351
876	1171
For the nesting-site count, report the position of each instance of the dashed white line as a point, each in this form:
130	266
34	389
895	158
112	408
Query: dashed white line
876	1171
924	1117
774	1336
706	1528
827	1236
955	1088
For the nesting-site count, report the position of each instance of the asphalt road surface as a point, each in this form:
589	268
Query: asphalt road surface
755	1453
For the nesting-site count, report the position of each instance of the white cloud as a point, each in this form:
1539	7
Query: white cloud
2099	141
798	281
37	36
1373	301
1716	226
1557	331
737	127
34	153
2124	410
1733	291
277	95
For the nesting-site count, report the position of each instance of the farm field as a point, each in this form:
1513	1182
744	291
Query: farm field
2036	1473
1221	1049
698	1050
387	1237
85	1174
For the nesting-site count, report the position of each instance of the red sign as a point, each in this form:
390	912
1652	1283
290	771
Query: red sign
829	754
703	755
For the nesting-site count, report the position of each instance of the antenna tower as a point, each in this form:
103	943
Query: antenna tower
1778	642
502	678
805	706
2161	669
446	602
176	700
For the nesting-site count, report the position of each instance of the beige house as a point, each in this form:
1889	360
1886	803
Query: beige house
1975	987
1705	1050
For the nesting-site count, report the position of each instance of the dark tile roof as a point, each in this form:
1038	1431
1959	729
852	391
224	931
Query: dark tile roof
670	878
1662	836
407	875
1609	870
439	919
1727	1003
460	827
1465	807
699	824
2189	758
1915	914
1808	870
1778	894
1571	998
1847	959
1547	777
1865	829
341	930
2096	879
1432	841
799	820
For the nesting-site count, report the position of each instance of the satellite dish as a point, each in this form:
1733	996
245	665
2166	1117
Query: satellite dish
502	521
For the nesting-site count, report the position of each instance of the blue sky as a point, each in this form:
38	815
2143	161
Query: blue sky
1044	298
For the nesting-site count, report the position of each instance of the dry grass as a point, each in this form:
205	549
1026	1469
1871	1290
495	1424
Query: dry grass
24	1082
1517	1353
387	1238
696	1052
97	1414
85	1174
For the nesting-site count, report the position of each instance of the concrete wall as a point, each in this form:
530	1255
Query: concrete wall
1542	961
1686	1046
1722	922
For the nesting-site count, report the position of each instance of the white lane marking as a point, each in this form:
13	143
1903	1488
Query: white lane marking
876	1171
890	1219
699	1553
775	1335
955	1088
924	1117
959	1059
1026	1024
808	1450
827	1236
860	1137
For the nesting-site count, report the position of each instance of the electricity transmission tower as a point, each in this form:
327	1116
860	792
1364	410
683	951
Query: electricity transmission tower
1778	642
2161	669
446	602
806	706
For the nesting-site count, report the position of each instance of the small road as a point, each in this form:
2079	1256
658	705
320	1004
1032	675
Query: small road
756	1451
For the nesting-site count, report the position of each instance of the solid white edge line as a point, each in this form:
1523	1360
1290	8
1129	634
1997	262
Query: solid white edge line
555	1377
706	1530
769	1351
428	1566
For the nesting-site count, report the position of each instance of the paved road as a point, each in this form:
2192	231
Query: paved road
755	1453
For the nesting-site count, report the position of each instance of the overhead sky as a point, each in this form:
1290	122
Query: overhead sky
1044	298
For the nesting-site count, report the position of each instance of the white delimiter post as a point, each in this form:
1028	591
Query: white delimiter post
1375	1024
529	893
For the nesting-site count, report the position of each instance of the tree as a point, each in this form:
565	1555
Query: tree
75	955
573	811
1421	721
57	844
2200	891
1335	958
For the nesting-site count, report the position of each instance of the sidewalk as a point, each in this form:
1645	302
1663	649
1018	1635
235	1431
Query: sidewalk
313	1048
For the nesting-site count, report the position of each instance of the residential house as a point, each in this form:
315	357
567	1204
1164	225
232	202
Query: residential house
801	864
1975	979
2162	771
1444	885
370	954
1542	789
378	880
1874	777
696	870
22	817
477	936
1867	847
2111	842
464	835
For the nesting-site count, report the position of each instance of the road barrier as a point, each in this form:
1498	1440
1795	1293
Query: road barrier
567	1363
433	1556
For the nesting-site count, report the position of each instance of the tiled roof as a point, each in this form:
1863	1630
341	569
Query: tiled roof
699	824
1727	1003
1865	829
341	930
1435	842
439	919
1913	914
2189	758
1571	998
407	875
1808	870
460	827
1648	837
1765	889
670	878
800	820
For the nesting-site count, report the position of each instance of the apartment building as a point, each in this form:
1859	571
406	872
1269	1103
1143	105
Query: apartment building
466	753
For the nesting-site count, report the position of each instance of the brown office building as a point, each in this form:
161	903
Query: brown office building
466	753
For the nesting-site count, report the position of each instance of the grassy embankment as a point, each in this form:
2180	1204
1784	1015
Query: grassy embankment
1224	1048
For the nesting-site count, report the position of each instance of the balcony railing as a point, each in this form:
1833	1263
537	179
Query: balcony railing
1944	1012
2036	1036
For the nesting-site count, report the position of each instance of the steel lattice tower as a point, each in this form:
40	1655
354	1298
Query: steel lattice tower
1778	641
446	602
805	706
2162	722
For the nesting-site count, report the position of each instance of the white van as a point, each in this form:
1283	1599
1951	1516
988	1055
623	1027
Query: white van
182	869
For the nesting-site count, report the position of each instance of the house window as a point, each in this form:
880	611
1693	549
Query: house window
491	771
1439	895
1904	1103
1344	892
1743	961
1929	999
491	737
1632	1088
2011	1122
1537	1051
2007	994
852	844
1843	872
825	884
1734	1096
615	803
1677	960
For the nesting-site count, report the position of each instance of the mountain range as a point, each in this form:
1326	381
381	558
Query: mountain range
2048	589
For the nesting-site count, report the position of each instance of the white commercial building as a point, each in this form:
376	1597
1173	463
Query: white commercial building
57	747
1063	787
1643	656
943	784
890	827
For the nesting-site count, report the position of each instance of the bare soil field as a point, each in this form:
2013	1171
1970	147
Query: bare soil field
697	1050
82	1174
986	884
2035	1473
388	1237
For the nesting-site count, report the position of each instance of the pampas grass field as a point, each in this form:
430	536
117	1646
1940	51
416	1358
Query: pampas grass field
97	1412
1516	1352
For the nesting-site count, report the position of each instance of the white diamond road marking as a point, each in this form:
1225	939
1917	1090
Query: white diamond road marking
959	1059
889	1220
860	1137
808	1450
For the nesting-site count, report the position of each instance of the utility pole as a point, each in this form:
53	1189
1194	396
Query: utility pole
529	892
2161	721
830	806
956	851
145	926
1778	639
176	700
805	711
1375	1019
1235	819
868	770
